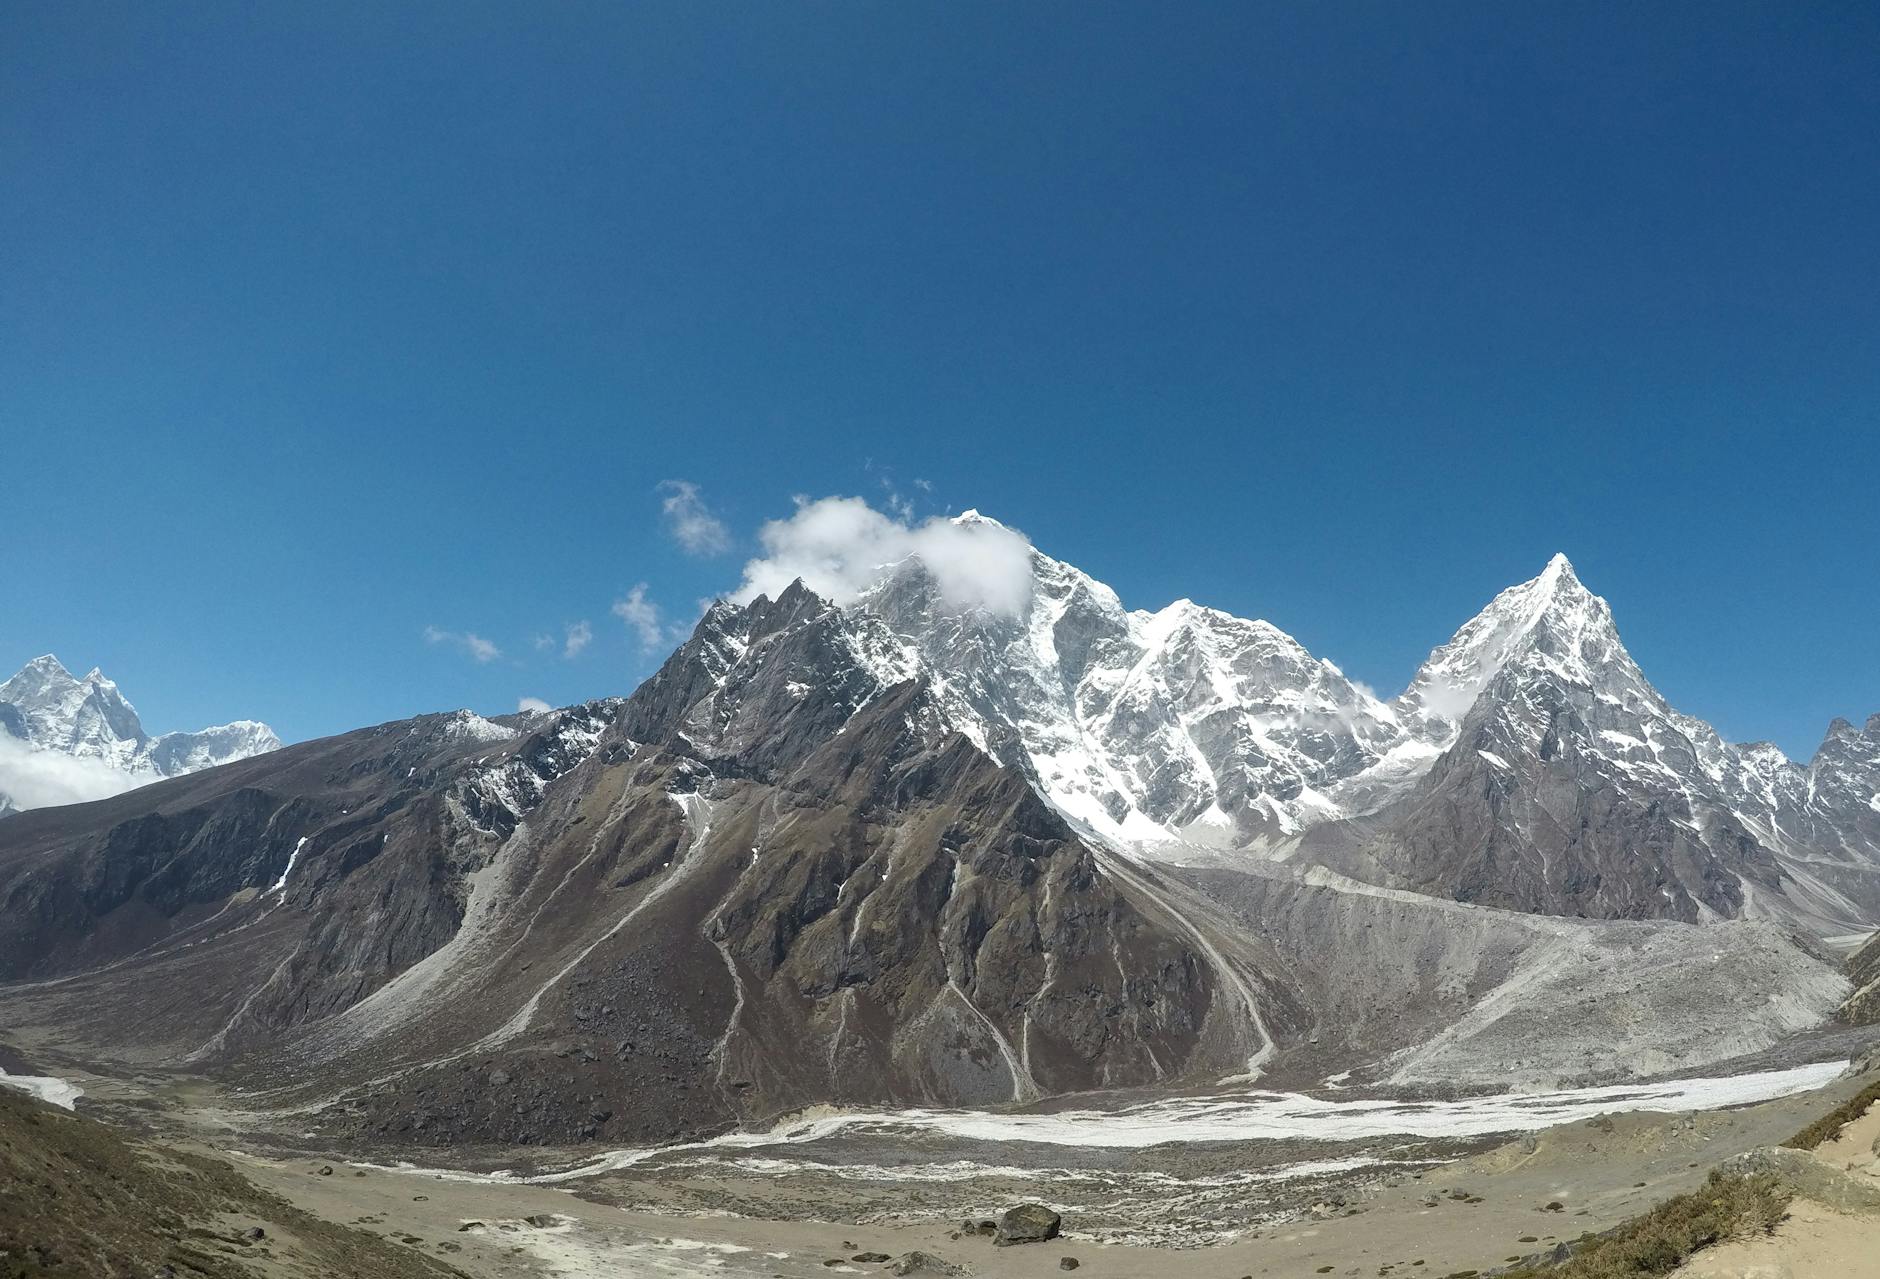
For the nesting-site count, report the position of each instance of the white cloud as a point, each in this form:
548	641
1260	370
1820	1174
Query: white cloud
532	706
641	616
479	649
901	508
37	778
690	521
579	636
840	546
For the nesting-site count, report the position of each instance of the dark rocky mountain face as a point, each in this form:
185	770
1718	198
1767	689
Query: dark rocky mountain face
1523	814
772	876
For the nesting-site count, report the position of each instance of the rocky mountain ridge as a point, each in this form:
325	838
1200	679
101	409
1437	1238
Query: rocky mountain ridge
1189	731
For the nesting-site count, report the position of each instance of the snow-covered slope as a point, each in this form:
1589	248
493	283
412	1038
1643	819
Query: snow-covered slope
65	739
1187	723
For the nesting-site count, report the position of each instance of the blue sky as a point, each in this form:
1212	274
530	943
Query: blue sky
324	325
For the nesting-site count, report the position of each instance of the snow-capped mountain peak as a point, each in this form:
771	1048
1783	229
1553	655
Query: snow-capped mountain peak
1181	723
46	713
1552	624
85	717
1187	726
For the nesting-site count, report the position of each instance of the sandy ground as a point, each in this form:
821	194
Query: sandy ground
1814	1243
1476	1213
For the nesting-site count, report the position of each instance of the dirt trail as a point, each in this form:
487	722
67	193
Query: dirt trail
1815	1241
1857	1146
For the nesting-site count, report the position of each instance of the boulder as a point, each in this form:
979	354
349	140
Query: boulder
923	1263
1027	1223
1809	1177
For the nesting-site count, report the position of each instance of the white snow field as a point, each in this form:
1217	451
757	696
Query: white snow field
48	1089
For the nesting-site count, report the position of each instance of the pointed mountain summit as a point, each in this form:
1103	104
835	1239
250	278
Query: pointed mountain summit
82	717
1549	625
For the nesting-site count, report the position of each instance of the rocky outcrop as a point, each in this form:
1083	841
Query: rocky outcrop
1812	1178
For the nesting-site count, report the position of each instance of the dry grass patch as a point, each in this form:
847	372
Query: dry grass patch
1828	1127
1661	1240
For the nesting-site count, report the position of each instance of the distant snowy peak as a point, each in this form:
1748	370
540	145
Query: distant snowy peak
171	754
57	711
46	711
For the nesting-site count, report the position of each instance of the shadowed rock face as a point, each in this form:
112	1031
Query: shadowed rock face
773	876
931	891
199	915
